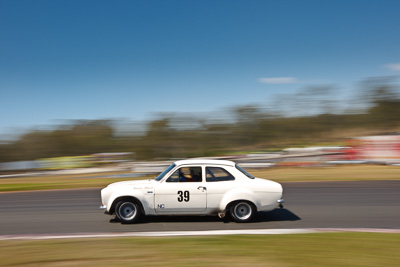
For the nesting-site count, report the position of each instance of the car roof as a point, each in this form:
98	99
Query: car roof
205	162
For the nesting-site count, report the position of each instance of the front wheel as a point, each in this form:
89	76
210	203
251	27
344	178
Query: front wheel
127	211
242	211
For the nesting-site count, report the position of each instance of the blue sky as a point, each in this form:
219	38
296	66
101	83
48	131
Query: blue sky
62	60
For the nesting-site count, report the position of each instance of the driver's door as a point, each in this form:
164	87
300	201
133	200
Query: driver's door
184	192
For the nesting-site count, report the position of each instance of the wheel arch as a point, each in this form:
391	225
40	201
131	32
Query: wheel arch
127	197
230	204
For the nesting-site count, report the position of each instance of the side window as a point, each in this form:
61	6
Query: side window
186	174
216	174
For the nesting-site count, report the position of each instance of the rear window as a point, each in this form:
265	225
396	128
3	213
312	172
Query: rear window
244	171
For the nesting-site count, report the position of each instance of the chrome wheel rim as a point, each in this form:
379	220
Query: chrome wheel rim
127	211
242	211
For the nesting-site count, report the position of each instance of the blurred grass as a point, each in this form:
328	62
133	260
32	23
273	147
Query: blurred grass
333	173
47	182
321	249
279	174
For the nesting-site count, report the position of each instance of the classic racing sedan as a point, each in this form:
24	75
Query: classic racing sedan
193	187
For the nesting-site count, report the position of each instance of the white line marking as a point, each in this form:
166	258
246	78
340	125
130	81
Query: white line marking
199	233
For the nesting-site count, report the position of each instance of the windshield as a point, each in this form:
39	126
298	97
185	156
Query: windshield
244	172
161	175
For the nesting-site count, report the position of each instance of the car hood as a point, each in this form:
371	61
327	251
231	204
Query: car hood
137	184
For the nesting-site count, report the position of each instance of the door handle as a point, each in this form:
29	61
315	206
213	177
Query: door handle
202	187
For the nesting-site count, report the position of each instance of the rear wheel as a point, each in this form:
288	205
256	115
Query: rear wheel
127	211
242	211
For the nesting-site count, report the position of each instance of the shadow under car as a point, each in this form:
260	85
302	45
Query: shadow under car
264	216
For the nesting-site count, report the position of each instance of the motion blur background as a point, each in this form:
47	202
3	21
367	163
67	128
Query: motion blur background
95	82
95	91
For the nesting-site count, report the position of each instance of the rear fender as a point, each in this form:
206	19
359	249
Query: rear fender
238	194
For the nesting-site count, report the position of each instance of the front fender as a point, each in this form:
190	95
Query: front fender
137	194
238	194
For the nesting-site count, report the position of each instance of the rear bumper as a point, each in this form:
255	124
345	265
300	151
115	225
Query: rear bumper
103	207
280	202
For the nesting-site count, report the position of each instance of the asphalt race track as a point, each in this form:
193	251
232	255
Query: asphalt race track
368	204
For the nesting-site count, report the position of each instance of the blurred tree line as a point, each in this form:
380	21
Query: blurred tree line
250	128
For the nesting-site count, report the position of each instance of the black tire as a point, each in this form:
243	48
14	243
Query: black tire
242	211
127	211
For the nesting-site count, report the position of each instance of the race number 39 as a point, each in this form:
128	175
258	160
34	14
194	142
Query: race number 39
183	196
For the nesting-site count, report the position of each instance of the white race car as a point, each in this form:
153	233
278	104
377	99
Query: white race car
193	187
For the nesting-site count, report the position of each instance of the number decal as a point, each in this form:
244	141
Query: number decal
183	196
186	196
180	196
